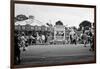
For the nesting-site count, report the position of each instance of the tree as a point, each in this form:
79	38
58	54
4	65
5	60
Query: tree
84	24
21	17
59	23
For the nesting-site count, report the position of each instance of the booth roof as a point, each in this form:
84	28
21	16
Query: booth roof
30	22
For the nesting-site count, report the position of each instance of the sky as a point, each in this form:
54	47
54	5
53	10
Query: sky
70	16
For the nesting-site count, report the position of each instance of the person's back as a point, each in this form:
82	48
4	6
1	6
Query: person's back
43	37
85	39
84	36
22	38
16	45
16	50
23	41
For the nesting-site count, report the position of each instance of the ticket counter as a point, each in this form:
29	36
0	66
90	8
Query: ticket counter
59	33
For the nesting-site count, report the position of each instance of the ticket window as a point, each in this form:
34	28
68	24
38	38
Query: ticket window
59	33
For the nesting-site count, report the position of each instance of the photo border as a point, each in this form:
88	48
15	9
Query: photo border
12	10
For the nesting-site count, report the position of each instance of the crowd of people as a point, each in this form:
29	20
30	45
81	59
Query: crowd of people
23	40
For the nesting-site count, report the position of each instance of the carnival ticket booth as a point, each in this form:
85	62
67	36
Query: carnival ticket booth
59	34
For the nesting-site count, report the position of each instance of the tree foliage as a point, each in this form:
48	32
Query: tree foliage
84	24
21	17
59	23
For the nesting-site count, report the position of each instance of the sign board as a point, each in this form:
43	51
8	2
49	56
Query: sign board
59	33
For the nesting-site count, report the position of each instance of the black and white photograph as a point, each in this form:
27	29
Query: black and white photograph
46	34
